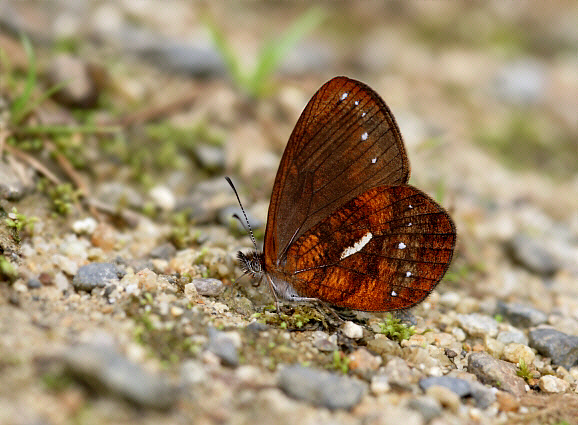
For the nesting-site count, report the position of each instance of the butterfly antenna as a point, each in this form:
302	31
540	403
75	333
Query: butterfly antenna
244	214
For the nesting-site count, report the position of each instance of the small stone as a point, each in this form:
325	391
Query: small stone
85	226
379	384
551	384
530	253
483	395
320	387
177	311
362	360
106	370
514	353
209	287
513	335
257	327
478	325
163	198
497	373
223	346
445	397
165	251
399	373
520	315
76	79
456	385
507	402
191	291
210	157
323	342
560	347
95	275
352	330
34	284
450	299
385	347
104	237
428	407
494	347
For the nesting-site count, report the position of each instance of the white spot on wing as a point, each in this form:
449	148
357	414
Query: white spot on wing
409	224
410	207
357	246
407	274
401	245
344	96
356	102
364	114
364	136
374	160
393	294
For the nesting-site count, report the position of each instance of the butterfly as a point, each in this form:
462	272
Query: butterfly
344	226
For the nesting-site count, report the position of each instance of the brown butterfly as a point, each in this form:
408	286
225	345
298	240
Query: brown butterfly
344	226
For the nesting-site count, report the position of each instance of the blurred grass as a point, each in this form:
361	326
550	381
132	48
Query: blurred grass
257	82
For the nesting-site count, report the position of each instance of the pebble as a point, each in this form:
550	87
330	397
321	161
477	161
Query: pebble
552	384
208	287
497	373
163	198
478	325
85	226
211	158
95	275
515	352
513	335
521	315
320	387
507	402
165	251
223	346
379	384
530	253
34	284
399	373
352	330
362	361
445	397
106	370
450	299
428	407
458	386
76	79
483	395
560	347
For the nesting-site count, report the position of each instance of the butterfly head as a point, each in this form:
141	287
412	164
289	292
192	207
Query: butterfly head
252	263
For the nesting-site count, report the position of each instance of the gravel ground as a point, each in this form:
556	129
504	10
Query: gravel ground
122	307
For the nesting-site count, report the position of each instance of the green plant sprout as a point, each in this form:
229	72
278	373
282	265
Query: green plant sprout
257	81
394	329
19	222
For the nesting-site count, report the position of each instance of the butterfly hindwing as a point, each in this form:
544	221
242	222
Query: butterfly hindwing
384	250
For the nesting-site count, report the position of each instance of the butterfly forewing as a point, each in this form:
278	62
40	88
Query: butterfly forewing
384	250
345	142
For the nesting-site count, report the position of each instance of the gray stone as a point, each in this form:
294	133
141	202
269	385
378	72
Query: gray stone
165	251
476	324
210	157
530	253
107	371
497	373
521	315
95	275
320	387
428	407
456	385
34	284
483	395
78	81
560	347
507	337
209	287
223	346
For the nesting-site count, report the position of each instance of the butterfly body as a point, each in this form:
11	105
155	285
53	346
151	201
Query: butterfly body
343	225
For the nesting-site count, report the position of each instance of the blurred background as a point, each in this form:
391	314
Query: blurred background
132	111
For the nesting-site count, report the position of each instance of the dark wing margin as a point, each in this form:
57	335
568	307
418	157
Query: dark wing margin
345	142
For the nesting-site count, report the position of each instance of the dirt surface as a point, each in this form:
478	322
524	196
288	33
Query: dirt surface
118	246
